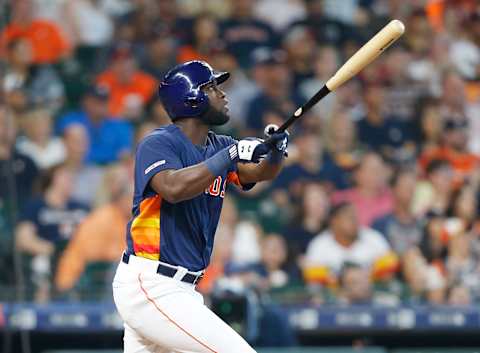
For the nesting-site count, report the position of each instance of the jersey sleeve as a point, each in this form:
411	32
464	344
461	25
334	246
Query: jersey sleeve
154	154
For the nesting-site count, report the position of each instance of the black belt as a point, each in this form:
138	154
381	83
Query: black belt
170	271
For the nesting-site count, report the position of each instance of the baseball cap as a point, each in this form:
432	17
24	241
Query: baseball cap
268	56
98	91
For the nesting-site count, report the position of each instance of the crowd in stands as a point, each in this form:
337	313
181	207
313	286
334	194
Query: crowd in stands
378	199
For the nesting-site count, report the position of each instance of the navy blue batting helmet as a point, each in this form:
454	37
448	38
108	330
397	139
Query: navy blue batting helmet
180	91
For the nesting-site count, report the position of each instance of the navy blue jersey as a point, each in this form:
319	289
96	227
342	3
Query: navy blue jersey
181	233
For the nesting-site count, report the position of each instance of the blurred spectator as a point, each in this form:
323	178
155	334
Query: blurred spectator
380	132
306	167
205	39
108	138
300	46
371	196
403	92
435	191
239	88
46	225
268	273
464	51
130	88
311	220
90	25
326	30
430	125
401	227
341	154
18	172
355	285
221	256
26	84
459	296
454	150
38	143
160	52
325	64
87	178
99	238
286	12
274	80
345	241
244	33
49	44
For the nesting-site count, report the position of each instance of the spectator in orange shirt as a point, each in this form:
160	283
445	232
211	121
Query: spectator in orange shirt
48	42
100	237
130	88
454	150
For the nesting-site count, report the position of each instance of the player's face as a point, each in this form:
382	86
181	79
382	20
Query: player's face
218	112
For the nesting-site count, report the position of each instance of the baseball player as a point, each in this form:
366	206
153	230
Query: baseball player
181	174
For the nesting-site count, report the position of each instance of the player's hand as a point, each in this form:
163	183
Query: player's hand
279	140
251	149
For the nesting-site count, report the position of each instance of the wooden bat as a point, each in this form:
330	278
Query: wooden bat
364	56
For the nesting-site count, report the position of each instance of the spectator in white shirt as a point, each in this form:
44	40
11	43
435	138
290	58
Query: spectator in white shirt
346	242
38	142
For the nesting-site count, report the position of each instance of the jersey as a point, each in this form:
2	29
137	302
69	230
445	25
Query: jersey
179	234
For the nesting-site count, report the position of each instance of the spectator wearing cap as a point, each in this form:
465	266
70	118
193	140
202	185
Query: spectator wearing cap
109	138
371	195
273	77
244	33
38	142
346	241
454	150
204	40
401	227
130	88
385	134
27	84
49	44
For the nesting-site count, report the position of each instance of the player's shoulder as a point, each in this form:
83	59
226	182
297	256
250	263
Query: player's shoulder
166	133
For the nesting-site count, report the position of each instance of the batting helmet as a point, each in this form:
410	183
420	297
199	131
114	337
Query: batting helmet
180	91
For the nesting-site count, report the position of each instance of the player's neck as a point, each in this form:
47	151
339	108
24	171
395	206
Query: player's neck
194	129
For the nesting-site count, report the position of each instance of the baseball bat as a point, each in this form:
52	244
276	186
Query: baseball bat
364	56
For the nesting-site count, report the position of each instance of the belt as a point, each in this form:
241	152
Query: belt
176	272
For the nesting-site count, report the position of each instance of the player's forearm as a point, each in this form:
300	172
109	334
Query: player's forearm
187	183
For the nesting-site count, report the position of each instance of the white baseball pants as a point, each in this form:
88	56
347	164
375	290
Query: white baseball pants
162	314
